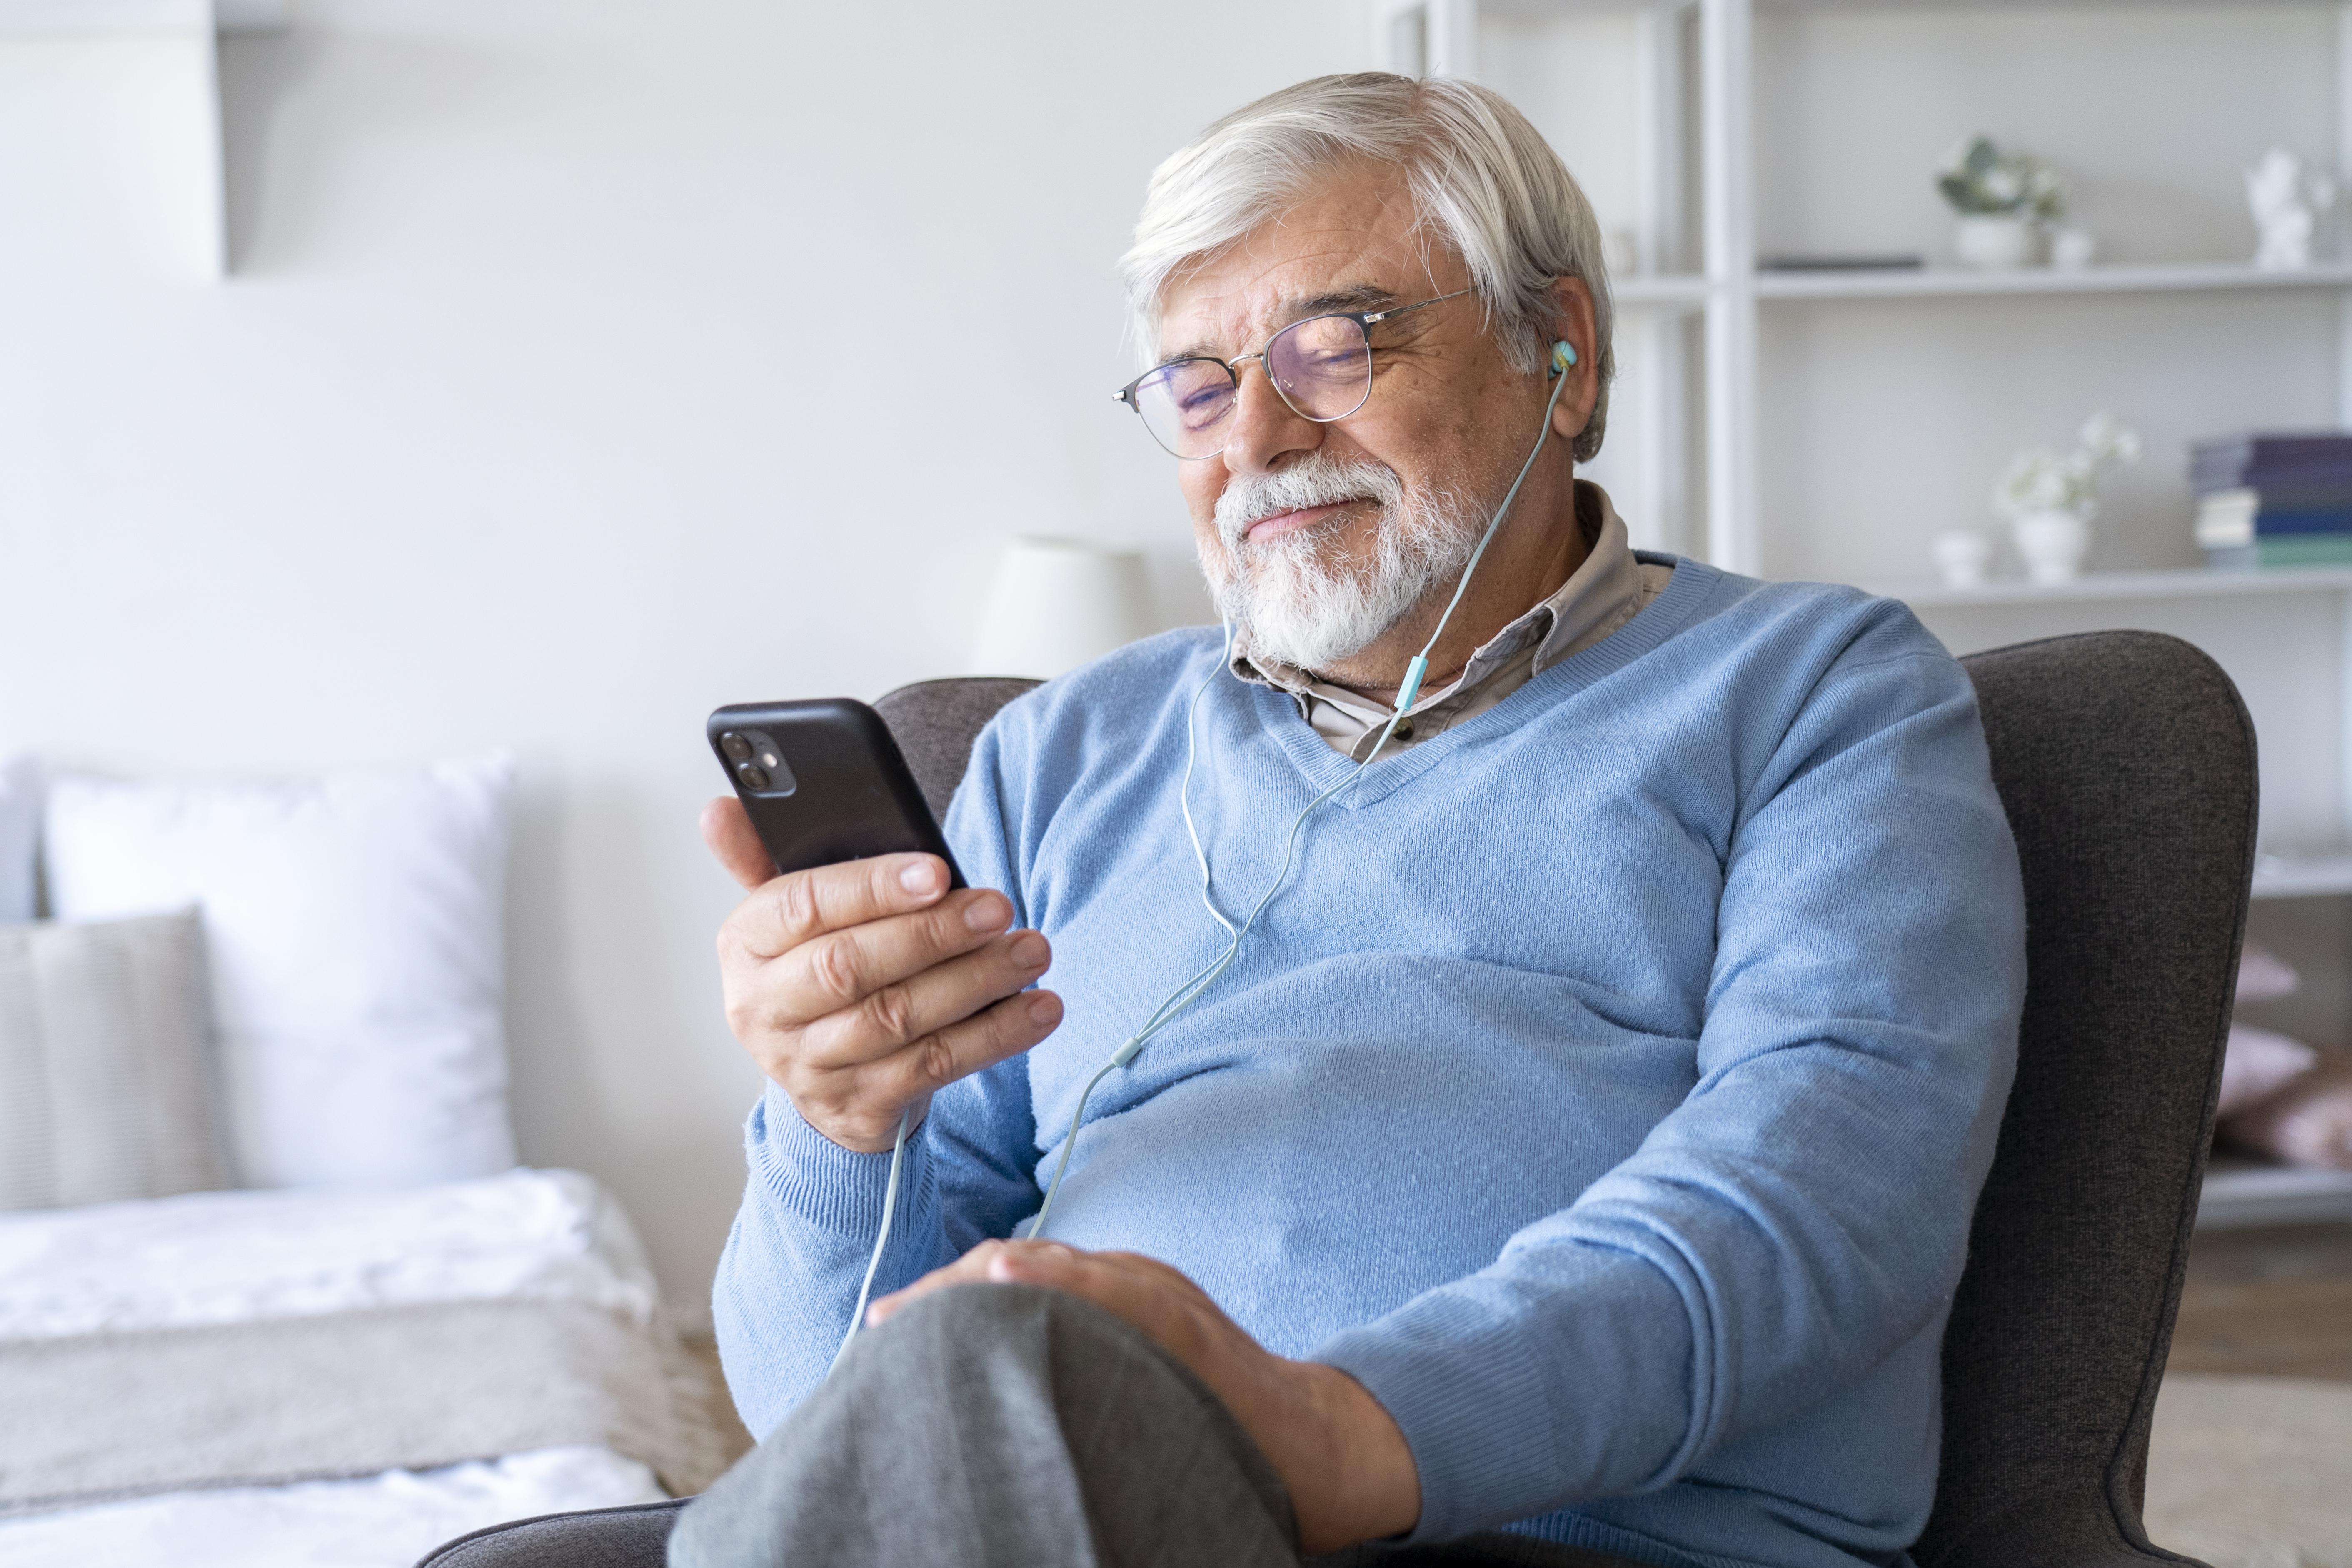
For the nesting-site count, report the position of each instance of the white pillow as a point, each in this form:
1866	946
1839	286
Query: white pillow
355	931
20	830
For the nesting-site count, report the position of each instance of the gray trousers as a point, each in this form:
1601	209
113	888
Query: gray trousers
988	1427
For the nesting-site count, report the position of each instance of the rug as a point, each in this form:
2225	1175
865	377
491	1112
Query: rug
2252	1472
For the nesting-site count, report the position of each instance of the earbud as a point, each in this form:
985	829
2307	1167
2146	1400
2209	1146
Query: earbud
1563	355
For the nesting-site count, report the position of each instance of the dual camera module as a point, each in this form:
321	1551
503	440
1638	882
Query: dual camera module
758	762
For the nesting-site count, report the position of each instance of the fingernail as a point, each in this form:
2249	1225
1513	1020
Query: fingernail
982	914
1029	950
920	877
1044	1008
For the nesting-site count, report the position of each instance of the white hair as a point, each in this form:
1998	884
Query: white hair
1480	175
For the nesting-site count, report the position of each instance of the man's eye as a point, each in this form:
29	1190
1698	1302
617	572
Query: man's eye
1330	359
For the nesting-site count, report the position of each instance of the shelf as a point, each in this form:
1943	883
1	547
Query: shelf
2242	1195
1689	291
1670	289
2294	874
2187	583
200	20
1940	283
1539	9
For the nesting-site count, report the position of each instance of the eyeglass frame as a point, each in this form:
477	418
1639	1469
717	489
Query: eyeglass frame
1365	322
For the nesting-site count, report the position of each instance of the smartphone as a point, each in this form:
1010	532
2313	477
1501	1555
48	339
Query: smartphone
824	782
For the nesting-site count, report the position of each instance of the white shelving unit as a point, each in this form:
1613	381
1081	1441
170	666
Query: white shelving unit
1706	48
1669	147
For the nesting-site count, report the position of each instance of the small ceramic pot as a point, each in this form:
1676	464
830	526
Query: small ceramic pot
2072	250
1993	240
1961	556
2052	544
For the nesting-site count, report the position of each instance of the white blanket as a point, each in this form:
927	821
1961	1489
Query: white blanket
245	1257
190	1287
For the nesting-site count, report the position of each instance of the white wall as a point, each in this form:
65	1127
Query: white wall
586	365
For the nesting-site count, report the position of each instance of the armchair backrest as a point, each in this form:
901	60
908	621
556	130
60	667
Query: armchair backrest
2125	762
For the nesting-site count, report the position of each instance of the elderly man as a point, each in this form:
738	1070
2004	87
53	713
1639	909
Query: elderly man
1554	1141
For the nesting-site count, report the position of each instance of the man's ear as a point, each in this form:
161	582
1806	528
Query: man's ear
1571	322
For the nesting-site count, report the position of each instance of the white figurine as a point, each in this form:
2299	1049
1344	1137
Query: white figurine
2284	206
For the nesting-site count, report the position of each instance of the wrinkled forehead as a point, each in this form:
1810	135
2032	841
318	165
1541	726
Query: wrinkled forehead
1351	240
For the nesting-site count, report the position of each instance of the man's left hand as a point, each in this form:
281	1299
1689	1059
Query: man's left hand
1349	1472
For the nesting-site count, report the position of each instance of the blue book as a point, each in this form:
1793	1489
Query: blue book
2228	519
2312	460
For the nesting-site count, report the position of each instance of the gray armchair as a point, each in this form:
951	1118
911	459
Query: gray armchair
2127	764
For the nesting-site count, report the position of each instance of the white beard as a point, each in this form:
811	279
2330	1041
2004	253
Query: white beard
1295	599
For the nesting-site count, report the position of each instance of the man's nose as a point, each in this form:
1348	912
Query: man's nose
1265	429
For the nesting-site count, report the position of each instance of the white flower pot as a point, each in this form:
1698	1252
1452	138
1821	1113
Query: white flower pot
2052	544
1993	240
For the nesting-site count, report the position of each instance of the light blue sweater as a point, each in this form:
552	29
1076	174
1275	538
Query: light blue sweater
1608	1089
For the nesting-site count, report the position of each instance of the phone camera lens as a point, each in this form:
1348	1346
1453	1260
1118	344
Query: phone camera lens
753	775
737	748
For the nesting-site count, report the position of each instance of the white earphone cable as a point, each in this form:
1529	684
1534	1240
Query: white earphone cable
881	1237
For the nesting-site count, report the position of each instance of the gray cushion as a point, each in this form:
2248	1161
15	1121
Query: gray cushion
20	831
107	1088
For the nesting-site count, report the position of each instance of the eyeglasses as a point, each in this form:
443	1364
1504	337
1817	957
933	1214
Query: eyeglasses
1322	367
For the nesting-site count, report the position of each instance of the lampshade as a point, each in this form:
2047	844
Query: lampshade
1059	603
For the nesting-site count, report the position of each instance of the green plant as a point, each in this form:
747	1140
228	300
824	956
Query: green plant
1979	178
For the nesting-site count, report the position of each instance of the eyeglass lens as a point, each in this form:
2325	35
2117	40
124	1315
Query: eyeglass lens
1322	367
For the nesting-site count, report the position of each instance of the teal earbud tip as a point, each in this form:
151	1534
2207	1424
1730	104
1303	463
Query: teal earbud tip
1563	355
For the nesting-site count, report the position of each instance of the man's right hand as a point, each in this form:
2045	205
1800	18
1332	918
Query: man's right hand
863	988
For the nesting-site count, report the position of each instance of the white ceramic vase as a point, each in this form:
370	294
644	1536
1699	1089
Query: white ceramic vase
1993	240
2052	544
1961	555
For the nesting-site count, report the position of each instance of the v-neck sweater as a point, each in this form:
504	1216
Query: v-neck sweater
1608	1089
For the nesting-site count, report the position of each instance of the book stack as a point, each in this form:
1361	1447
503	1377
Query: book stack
2275	500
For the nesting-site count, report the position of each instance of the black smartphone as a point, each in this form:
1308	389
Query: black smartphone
824	782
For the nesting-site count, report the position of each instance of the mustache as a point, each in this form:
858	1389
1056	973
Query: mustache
1314	480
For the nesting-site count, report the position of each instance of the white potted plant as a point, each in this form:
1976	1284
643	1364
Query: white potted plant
2001	199
2051	500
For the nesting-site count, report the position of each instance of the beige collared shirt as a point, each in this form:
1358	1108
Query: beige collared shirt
1608	590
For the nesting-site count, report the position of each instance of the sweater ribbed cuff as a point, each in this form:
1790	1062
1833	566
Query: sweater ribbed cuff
1468	1406
833	1188
1572	1380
